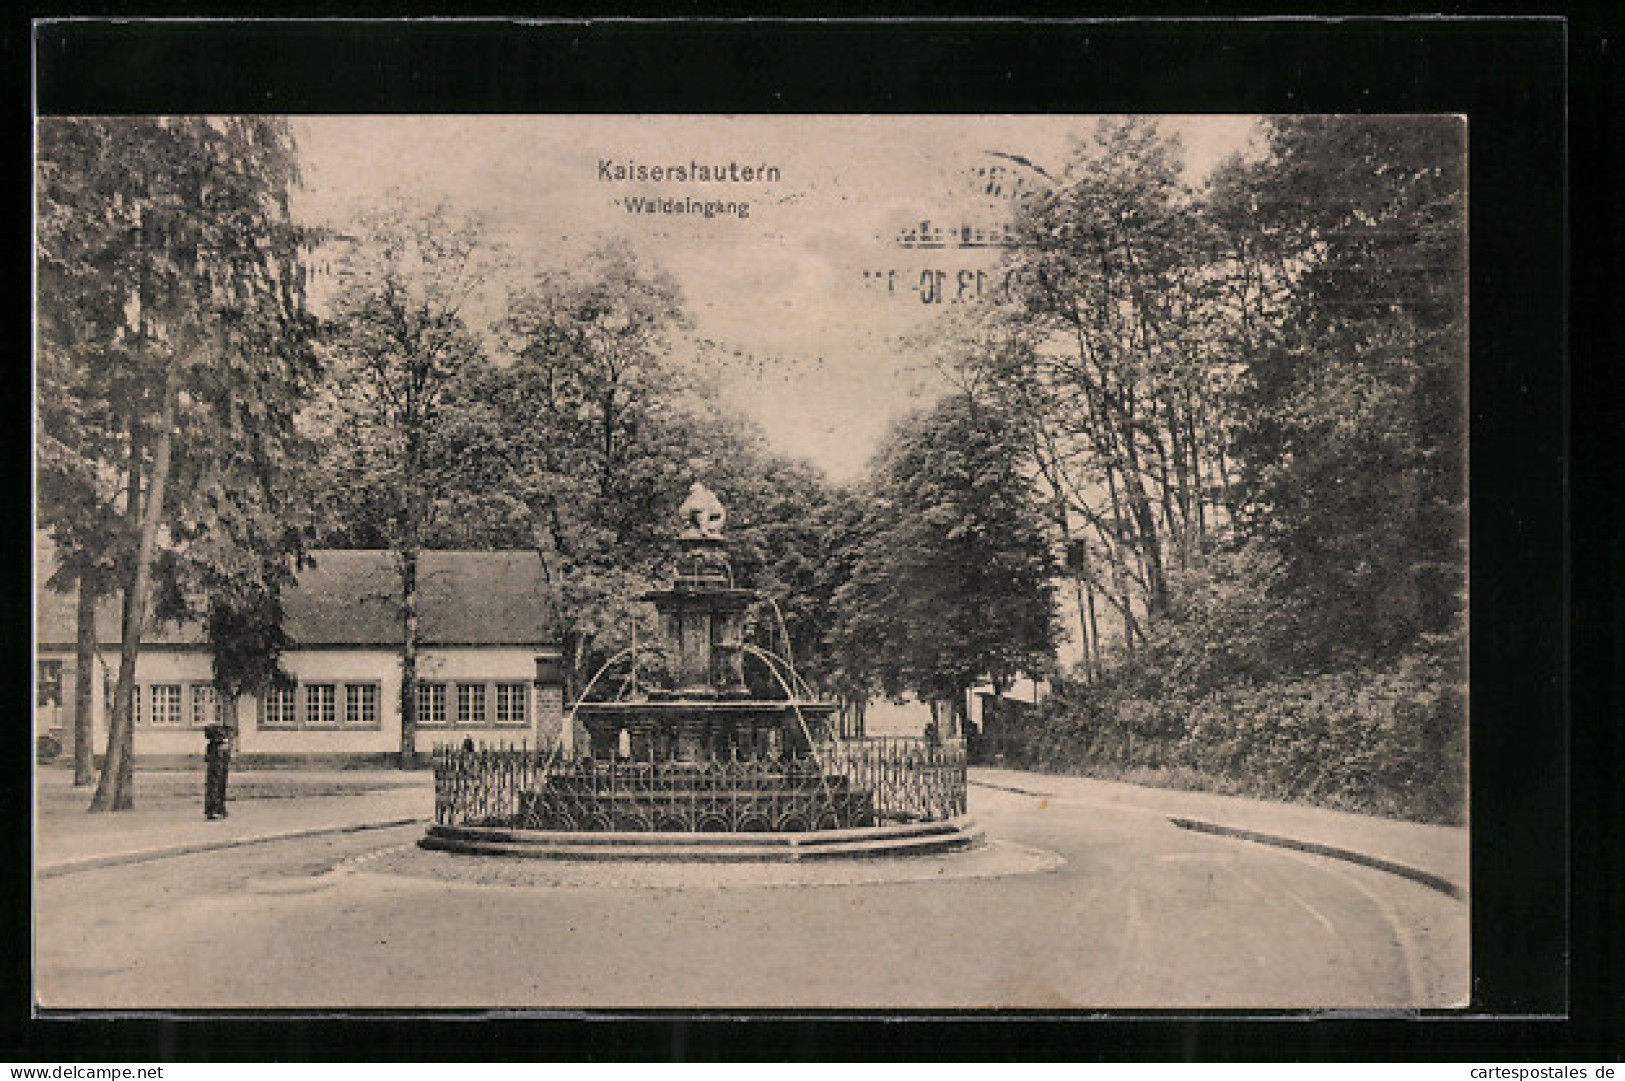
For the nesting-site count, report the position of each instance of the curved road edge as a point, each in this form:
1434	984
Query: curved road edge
146	855
1348	855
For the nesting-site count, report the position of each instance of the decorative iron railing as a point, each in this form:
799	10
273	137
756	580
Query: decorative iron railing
714	795
910	779
482	784
842	784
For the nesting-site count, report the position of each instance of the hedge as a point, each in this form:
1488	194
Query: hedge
1390	743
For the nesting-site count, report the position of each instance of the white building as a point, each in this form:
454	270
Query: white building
488	664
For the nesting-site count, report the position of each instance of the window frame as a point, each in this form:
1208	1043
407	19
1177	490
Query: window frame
377	701
48	692
303	696
218	714
292	722
424	690
515	687
179	714
484	717
309	694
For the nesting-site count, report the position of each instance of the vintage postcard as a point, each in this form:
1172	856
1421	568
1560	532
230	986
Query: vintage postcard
861	562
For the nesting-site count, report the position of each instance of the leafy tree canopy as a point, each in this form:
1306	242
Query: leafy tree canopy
952	583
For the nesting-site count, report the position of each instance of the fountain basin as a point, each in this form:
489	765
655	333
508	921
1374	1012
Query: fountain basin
874	842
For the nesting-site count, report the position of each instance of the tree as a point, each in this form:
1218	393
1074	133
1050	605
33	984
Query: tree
582	441
400	343
81	344
1243	411
1099	357
582	444
784	539
88	534
1351	413
231	578
591	342
171	304
849	644
953	583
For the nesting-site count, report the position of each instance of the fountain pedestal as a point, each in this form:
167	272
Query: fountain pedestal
699	754
706	711
697	751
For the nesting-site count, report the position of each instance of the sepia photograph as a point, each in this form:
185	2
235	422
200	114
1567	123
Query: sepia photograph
558	562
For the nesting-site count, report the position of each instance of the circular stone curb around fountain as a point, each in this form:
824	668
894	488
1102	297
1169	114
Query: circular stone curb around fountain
409	866
868	842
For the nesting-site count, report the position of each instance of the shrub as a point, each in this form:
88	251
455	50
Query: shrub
47	748
1390	742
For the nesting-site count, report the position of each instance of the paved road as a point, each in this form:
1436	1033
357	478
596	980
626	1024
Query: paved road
1141	914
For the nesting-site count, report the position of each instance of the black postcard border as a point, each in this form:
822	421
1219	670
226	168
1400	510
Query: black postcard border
1510	76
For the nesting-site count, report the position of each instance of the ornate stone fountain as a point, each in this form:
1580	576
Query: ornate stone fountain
688	762
705	710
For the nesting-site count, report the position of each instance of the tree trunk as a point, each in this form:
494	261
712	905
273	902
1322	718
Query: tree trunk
1080	590
852	709
1075	571
84	687
578	664
1139	506
115	791
1139	503
1224	485
1094	634
1165	490
1180	453
1193	443
1125	603
409	656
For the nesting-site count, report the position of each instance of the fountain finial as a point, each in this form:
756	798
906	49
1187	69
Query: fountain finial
701	514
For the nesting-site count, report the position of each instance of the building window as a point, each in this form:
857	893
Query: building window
166	705
361	705
50	684
471	703
510	703
207	705
431	703
279	708
321	700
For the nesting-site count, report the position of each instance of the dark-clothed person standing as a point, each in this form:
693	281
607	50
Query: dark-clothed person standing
216	761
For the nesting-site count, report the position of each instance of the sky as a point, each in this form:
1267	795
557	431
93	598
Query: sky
806	291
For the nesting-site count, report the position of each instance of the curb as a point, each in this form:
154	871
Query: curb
865	842
1013	788
147	855
1425	878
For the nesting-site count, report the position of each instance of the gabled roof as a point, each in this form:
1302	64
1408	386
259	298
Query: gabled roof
351	597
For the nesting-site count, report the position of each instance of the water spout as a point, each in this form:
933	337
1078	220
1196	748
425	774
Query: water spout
812	746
